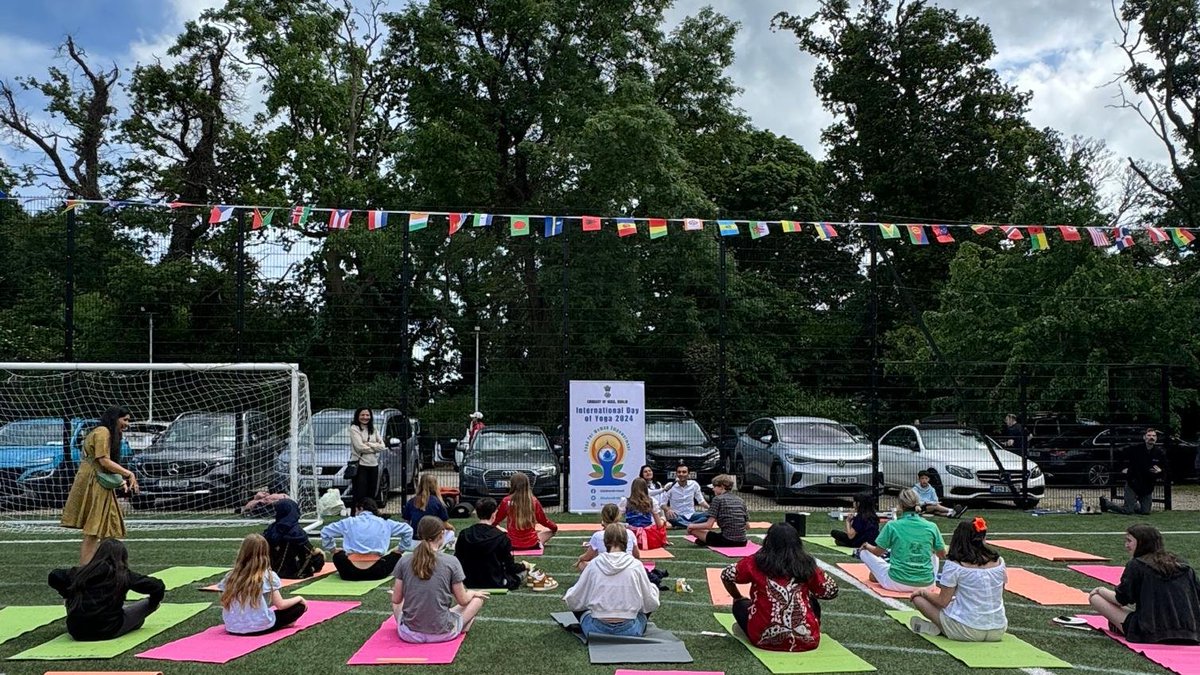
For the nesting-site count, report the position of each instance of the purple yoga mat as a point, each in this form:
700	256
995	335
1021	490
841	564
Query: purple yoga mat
385	648
1109	574
750	548
216	646
1182	659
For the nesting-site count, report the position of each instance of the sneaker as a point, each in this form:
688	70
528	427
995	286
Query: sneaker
534	576
958	511
923	626
545	582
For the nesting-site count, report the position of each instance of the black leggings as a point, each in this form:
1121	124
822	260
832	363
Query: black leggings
382	568
283	618
741	611
844	539
365	483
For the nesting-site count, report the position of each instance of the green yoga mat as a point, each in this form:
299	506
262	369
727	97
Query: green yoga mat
64	648
16	621
177	577
492	591
830	657
335	585
825	541
1010	652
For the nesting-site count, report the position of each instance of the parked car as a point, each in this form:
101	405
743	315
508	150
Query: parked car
331	451
34	468
140	435
672	438
857	432
963	464
497	453
1091	455
799	456
208	459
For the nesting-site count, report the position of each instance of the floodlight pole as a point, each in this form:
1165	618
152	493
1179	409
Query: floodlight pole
476	368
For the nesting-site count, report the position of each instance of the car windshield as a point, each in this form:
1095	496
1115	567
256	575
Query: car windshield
675	431
331	431
31	433
954	439
506	441
209	429
813	433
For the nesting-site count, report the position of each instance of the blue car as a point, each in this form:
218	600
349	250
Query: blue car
36	466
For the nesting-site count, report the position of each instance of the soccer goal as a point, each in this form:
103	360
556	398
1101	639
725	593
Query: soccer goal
204	438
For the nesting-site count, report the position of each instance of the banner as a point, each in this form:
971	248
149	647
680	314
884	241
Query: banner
607	443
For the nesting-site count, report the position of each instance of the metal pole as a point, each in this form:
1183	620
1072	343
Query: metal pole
873	400
150	405
240	317
722	382
564	474
405	355
1022	444
69	292
476	368
1164	393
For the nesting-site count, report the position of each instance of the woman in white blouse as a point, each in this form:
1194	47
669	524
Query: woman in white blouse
365	446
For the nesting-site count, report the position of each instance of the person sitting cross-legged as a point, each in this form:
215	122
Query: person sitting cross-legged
912	546
613	595
366	539
969	603
485	552
727	512
429	600
680	498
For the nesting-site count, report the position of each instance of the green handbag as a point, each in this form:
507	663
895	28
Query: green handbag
108	481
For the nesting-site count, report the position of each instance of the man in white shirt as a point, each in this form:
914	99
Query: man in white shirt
680	499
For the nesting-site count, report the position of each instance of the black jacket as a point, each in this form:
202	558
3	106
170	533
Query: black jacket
1137	461
1168	608
486	556
98	612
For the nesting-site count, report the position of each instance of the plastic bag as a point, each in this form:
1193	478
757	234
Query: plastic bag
330	503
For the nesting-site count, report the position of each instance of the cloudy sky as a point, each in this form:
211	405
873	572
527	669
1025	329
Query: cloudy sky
1061	50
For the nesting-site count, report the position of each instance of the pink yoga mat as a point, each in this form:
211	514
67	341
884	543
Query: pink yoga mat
1109	574
216	646
529	552
669	672
648	565
385	648
1182	659
750	548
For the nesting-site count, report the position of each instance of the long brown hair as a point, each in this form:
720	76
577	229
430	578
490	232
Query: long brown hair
244	583
1151	550
431	531
427	489
968	544
639	497
520	501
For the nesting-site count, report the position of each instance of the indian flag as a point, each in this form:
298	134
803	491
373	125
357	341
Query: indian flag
417	221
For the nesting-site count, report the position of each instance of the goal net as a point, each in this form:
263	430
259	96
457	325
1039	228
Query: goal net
203	441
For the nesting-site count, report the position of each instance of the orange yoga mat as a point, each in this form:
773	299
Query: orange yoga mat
1045	551
716	589
655	554
1041	590
859	571
328	569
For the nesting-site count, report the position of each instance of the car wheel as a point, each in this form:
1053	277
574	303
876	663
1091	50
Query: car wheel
415	479
935	479
141	503
739	474
778	488
385	488
1098	474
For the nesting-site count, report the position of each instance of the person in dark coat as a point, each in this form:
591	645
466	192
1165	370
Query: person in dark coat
292	555
1142	465
95	594
486	552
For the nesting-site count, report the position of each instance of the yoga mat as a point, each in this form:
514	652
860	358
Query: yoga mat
655	554
716	589
626	671
829	657
574	527
654	646
825	542
340	587
328	569
16	621
1041	590
1046	551
1009	652
493	591
1182	659
214	645
385	647
859	571
749	548
177	577
106	672
758	525
65	648
1109	574
648	565
529	552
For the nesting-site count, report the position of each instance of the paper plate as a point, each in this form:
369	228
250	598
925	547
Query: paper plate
1069	621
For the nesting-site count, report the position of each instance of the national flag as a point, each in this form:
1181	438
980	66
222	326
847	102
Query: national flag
220	214
1181	237
456	221
789	226
300	215
916	234
482	220
1099	238
518	226
1069	233
658	228
727	228
1011	232
942	234
554	226
693	224
1037	238
825	231
626	227
1157	234
339	219
1122	237
71	204
258	221
376	220
889	231
759	229
591	223
417	220
981	229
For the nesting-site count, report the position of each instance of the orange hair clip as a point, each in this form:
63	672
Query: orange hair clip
980	525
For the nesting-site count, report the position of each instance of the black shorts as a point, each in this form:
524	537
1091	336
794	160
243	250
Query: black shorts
717	539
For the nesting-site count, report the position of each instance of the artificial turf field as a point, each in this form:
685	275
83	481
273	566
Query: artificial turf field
516	635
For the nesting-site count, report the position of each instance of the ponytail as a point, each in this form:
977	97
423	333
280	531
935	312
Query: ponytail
430	531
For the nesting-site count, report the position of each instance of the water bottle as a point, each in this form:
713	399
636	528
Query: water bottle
1079	503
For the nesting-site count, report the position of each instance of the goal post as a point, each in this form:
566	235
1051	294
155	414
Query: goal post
204	438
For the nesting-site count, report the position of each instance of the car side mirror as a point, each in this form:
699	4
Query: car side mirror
914	446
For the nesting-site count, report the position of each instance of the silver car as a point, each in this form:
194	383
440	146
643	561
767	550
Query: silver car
799	456
331	447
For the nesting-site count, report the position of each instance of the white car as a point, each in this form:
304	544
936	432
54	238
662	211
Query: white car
963	464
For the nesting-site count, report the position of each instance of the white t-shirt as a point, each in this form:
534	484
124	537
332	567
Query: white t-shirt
682	500
979	600
596	543
240	619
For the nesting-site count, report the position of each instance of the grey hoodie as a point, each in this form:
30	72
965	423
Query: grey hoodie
613	586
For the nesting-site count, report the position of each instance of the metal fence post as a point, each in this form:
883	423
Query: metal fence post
565	464
69	292
722	380
239	319
873	397
1164	393
1022	420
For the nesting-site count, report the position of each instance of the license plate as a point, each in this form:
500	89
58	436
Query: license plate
1001	489
843	480
501	485
172	484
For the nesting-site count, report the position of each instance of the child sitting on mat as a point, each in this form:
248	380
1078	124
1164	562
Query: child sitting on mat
609	514
292	555
644	516
929	499
726	512
915	544
428	502
782	612
863	527
251	589
485	552
521	513
969	603
613	596
95	594
365	538
426	583
1161	588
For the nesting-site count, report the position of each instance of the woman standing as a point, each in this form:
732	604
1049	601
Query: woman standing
90	507
365	446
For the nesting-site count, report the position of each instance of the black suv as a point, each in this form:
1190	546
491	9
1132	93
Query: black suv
1088	454
498	452
673	437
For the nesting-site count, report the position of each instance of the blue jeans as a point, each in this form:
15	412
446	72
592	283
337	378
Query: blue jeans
680	521
634	627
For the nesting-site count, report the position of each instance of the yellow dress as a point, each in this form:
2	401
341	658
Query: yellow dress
90	507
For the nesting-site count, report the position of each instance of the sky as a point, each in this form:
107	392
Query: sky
1062	51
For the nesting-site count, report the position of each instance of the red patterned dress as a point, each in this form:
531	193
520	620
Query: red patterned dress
781	613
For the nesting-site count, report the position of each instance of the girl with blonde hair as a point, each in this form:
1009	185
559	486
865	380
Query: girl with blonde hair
427	582
644	516
251	588
915	544
609	514
428	502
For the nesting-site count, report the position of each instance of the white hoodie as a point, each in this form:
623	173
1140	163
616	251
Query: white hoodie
613	586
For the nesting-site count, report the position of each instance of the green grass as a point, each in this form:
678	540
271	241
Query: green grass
516	634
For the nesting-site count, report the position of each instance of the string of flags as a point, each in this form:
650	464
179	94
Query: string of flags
919	234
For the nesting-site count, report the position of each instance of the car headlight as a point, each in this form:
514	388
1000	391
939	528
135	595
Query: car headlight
796	459
38	474
473	471
1035	472
960	471
42	460
546	470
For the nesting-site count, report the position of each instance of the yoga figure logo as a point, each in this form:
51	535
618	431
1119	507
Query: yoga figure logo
607	455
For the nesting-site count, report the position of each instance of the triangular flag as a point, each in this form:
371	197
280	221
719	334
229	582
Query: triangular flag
376	220
626	227
482	220
518	226
658	228
456	221
220	214
591	223
1011	232
553	226
1157	234
417	220
789	226
1069	233
1038	240
981	229
300	215
1099	238
916	234
693	225
942	234
889	231
339	219
759	229
727	228
1181	237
